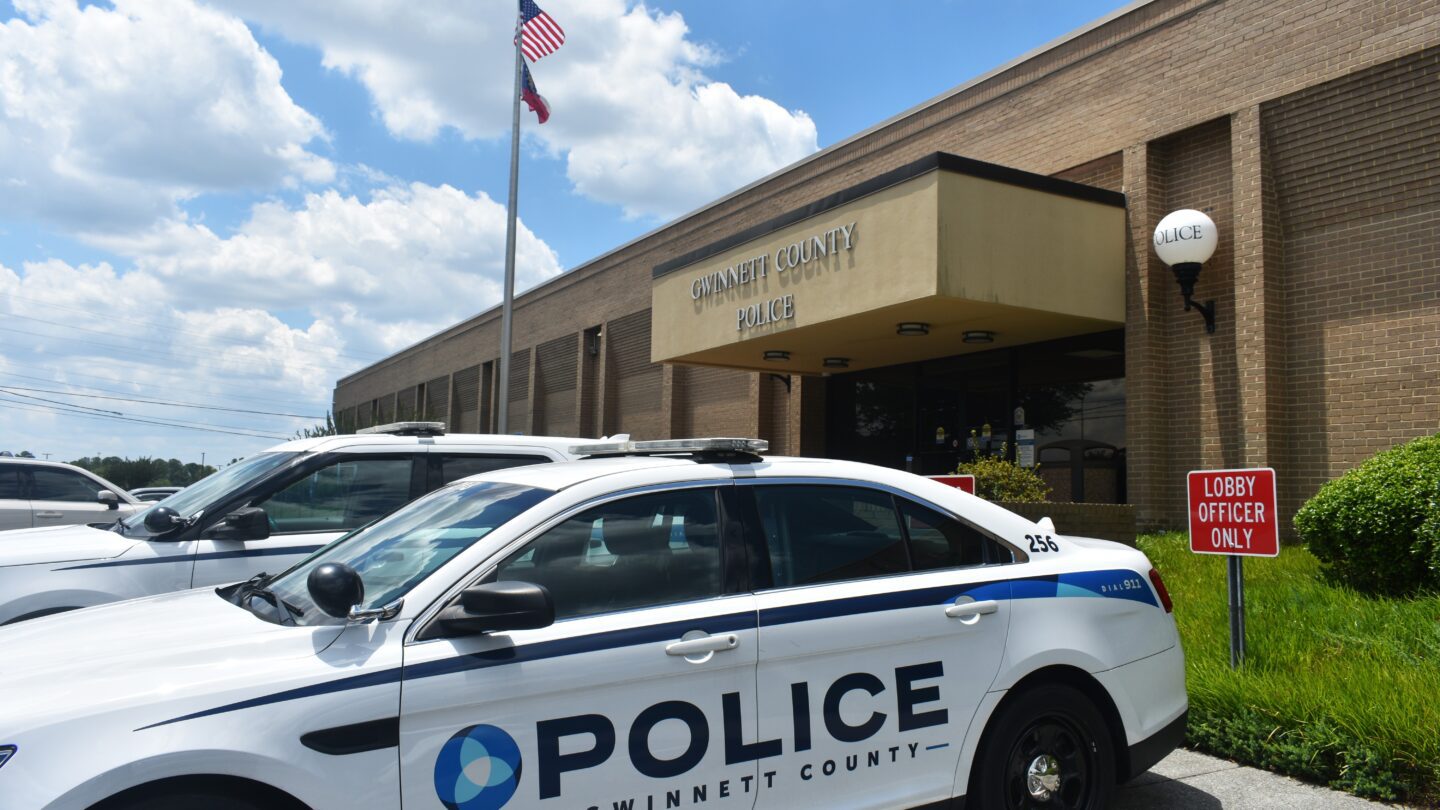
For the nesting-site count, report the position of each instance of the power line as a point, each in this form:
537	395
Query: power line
222	390
108	315
162	402
168	421
22	406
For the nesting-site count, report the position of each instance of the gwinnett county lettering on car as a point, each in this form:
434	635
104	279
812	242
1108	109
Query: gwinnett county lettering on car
659	625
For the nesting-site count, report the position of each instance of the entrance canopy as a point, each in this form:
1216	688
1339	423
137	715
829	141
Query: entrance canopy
937	249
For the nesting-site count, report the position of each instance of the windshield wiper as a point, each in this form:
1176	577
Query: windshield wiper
255	587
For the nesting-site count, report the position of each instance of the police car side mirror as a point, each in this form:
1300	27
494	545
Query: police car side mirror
110	499
161	519
249	523
336	588
498	606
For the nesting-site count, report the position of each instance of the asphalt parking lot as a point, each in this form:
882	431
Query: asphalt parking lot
1186	780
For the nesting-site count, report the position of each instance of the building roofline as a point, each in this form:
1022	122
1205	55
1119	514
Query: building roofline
936	162
493	311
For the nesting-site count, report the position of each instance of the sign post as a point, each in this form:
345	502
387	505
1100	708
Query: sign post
1233	512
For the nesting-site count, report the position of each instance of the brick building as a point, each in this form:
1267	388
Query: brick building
1000	258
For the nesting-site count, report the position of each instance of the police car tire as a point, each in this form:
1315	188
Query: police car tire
1055	721
191	800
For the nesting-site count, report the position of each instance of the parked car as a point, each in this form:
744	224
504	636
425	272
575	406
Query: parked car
35	493
264	513
748	632
151	494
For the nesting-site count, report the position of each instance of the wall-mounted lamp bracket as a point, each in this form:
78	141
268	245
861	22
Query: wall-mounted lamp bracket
1186	273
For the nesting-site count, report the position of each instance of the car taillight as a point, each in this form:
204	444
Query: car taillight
1160	589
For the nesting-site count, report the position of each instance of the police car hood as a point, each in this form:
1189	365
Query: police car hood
157	650
53	544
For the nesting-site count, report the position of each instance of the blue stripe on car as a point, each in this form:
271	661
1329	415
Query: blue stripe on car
1112	584
209	555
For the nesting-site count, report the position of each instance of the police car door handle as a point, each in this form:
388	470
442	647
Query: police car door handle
696	646
49	514
964	609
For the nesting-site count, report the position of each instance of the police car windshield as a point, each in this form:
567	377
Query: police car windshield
395	553
201	494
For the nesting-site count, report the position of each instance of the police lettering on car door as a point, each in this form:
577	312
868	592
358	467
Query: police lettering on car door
482	766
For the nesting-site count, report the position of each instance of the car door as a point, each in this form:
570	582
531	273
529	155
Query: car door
60	497
14	505
642	693
307	509
874	648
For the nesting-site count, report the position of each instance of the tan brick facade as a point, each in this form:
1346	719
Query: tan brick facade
1309	130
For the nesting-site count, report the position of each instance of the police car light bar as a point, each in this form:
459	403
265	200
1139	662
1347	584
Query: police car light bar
406	429
711	445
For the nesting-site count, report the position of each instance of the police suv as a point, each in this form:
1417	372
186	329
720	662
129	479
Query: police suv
665	625
264	513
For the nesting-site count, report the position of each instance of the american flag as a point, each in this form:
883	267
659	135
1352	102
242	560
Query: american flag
539	35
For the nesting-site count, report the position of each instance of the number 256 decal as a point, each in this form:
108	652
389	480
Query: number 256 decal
1039	544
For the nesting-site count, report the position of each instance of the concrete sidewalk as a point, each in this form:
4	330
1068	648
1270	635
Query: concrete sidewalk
1186	780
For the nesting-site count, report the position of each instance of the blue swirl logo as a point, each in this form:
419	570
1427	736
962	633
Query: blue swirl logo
478	768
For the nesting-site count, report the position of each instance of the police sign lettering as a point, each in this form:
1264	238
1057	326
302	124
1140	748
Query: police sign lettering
1233	512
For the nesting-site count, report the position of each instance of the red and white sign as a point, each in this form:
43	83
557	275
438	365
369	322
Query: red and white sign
964	483
1233	512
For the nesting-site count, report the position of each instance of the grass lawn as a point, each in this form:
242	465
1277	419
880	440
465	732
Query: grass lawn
1337	688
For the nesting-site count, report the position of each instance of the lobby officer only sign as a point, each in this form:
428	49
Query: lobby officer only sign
1233	512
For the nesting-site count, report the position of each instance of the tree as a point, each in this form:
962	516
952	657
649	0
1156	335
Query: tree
327	429
26	454
145	472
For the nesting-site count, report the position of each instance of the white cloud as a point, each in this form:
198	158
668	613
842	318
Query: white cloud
197	317
108	116
639	123
384	272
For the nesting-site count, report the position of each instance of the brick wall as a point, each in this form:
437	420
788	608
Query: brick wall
1107	521
1356	163
1307	128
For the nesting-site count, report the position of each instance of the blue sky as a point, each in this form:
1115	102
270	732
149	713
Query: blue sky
217	203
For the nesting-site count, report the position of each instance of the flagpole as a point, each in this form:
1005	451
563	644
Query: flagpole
502	387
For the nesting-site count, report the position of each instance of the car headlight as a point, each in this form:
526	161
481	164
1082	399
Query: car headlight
6	752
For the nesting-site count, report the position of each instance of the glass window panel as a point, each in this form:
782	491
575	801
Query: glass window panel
940	541
632	553
340	497
453	468
10	482
829	534
48	484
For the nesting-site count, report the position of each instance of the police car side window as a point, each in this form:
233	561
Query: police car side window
453	468
61	485
10	482
644	551
821	534
341	496
940	541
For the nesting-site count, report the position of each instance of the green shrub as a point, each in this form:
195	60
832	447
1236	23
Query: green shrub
1376	528
1000	479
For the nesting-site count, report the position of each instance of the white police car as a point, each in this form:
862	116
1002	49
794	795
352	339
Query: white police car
710	629
264	513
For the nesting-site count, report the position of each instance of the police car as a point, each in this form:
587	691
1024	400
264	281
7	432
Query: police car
663	625
264	513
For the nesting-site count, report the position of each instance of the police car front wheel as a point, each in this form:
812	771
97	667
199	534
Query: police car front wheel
190	801
1048	748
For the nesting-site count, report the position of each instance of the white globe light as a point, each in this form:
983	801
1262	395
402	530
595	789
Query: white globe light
1186	236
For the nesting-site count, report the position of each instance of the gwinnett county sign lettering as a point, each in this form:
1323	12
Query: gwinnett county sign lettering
794	256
